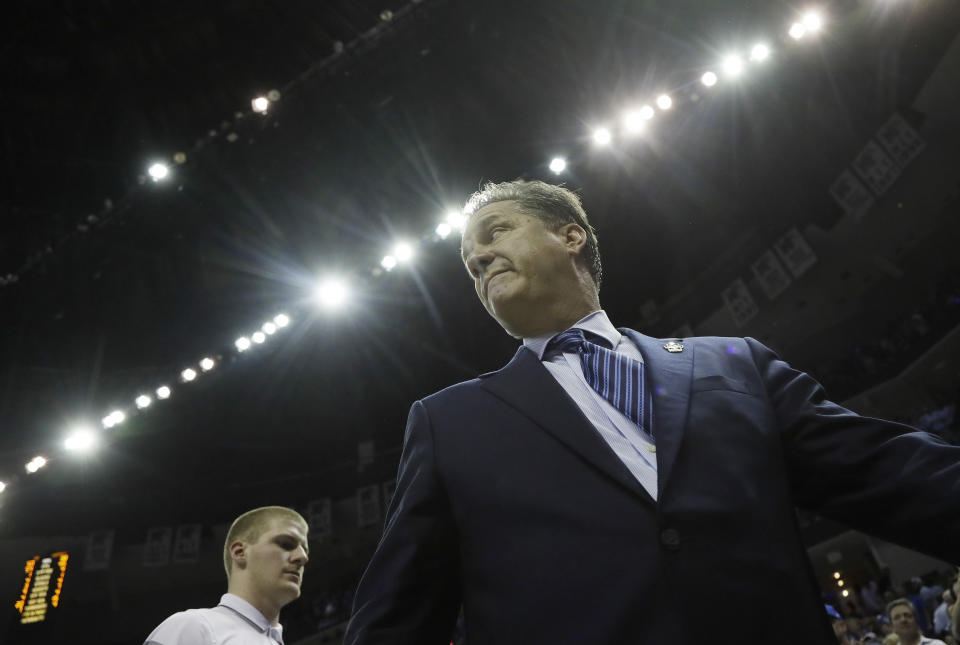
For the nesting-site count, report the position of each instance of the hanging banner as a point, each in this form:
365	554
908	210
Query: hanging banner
771	275
320	518
156	550
739	302
186	545
795	252
368	506
900	140
851	194
876	168
99	550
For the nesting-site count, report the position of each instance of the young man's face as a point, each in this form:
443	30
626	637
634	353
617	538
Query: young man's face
275	562
901	617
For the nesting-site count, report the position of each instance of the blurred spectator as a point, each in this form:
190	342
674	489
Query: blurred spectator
941	619
902	613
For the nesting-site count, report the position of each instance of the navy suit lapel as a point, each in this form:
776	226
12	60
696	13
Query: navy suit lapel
669	376
526	385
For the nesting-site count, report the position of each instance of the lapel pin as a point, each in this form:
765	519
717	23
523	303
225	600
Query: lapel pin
673	347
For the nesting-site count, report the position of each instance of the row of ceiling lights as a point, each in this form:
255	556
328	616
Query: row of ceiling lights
333	292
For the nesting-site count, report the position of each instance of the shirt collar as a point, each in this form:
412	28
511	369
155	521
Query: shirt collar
596	323
248	611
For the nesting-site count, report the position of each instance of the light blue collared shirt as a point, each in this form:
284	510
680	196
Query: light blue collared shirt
632	445
233	621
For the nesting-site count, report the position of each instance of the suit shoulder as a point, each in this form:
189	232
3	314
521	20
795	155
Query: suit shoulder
463	388
184	627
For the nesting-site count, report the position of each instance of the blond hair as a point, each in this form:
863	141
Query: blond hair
251	525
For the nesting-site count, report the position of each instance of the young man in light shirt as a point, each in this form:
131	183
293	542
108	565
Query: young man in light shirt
264	556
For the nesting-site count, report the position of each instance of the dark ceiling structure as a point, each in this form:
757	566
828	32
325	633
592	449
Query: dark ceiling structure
114	283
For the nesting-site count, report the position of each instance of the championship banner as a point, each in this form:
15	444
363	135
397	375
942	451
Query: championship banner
771	275
851	194
99	550
368	506
156	550
186	545
795	253
739	302
900	140
876	167
320	518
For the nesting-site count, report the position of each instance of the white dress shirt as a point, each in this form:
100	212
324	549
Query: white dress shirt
632	445
233	622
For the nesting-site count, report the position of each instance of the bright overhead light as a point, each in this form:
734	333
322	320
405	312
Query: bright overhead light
143	401
2	487
112	419
709	79
664	102
558	165
269	328
188	374
242	343
388	262
759	53
403	251
443	230
35	464
80	440
456	220
260	104
812	21
163	392
258	337
281	320
633	121
158	171
207	363
602	136
647	112
732	65
797	31
332	293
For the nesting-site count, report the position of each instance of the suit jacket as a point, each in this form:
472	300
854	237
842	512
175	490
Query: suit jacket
509	502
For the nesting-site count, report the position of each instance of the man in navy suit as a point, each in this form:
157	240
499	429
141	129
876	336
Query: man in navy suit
606	487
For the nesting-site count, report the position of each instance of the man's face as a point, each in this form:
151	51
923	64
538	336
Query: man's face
522	270
839	627
901	617
275	562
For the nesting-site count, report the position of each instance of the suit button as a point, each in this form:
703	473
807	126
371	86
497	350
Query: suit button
670	539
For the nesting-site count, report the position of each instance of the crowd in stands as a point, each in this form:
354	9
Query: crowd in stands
906	337
920	612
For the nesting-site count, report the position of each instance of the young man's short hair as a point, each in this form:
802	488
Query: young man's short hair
251	525
897	603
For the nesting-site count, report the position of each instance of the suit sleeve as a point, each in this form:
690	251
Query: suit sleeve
183	628
885	478
410	592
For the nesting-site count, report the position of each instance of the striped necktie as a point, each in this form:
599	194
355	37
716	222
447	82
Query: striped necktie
618	379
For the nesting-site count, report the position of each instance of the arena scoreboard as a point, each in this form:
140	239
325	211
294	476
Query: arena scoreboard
42	586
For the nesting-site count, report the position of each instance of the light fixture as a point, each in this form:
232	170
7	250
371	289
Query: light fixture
269	328
558	165
143	401
602	136
732	65
759	53
258	337
812	21
112	419
260	104
332	293
634	122
797	31
403	251
35	464
80	440
709	79
158	171
456	219
188	374
388	262
242	343
664	102
2	487
443	230
207	363
163	392
647	112
281	320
